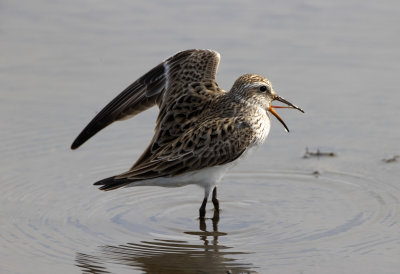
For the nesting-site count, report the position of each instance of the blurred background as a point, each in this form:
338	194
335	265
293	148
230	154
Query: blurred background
62	61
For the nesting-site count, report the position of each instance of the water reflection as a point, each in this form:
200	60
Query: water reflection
170	256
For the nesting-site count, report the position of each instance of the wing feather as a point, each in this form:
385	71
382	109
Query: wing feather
162	85
193	151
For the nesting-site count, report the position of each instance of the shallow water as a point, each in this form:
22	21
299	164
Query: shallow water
281	213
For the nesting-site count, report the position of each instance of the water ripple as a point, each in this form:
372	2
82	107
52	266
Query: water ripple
282	216
279	216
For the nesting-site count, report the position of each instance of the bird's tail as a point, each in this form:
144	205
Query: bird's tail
112	183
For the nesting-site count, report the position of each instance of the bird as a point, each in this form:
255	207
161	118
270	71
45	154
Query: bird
201	130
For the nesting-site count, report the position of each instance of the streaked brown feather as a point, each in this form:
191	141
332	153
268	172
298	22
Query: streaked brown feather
151	89
199	125
201	147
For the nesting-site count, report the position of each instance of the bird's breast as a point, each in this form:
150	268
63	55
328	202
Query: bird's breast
261	124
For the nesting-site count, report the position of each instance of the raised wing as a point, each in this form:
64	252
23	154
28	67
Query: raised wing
162	85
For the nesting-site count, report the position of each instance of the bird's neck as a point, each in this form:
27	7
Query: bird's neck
252	113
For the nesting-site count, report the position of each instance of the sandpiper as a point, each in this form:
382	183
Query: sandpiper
201	130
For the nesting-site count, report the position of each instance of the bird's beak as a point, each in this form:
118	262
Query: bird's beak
290	105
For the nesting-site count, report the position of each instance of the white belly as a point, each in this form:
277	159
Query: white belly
206	177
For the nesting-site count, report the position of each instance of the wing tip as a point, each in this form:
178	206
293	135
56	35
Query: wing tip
85	135
78	142
75	145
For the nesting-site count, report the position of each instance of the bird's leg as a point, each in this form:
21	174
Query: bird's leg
215	200
216	205
202	210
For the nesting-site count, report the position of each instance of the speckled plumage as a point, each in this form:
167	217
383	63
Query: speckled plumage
200	127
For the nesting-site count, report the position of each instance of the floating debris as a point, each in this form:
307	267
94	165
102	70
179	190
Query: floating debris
391	160
316	173
318	154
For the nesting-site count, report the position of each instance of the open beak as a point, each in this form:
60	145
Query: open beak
290	105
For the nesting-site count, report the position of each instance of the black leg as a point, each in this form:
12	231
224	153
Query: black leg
202	209
202	225
215	217
215	200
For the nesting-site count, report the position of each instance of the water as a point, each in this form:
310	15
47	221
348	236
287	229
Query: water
61	62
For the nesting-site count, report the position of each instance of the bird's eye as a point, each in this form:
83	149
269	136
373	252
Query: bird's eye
263	88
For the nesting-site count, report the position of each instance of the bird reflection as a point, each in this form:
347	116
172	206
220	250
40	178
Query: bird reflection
169	256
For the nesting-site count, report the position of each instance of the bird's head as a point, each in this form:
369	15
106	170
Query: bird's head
257	90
